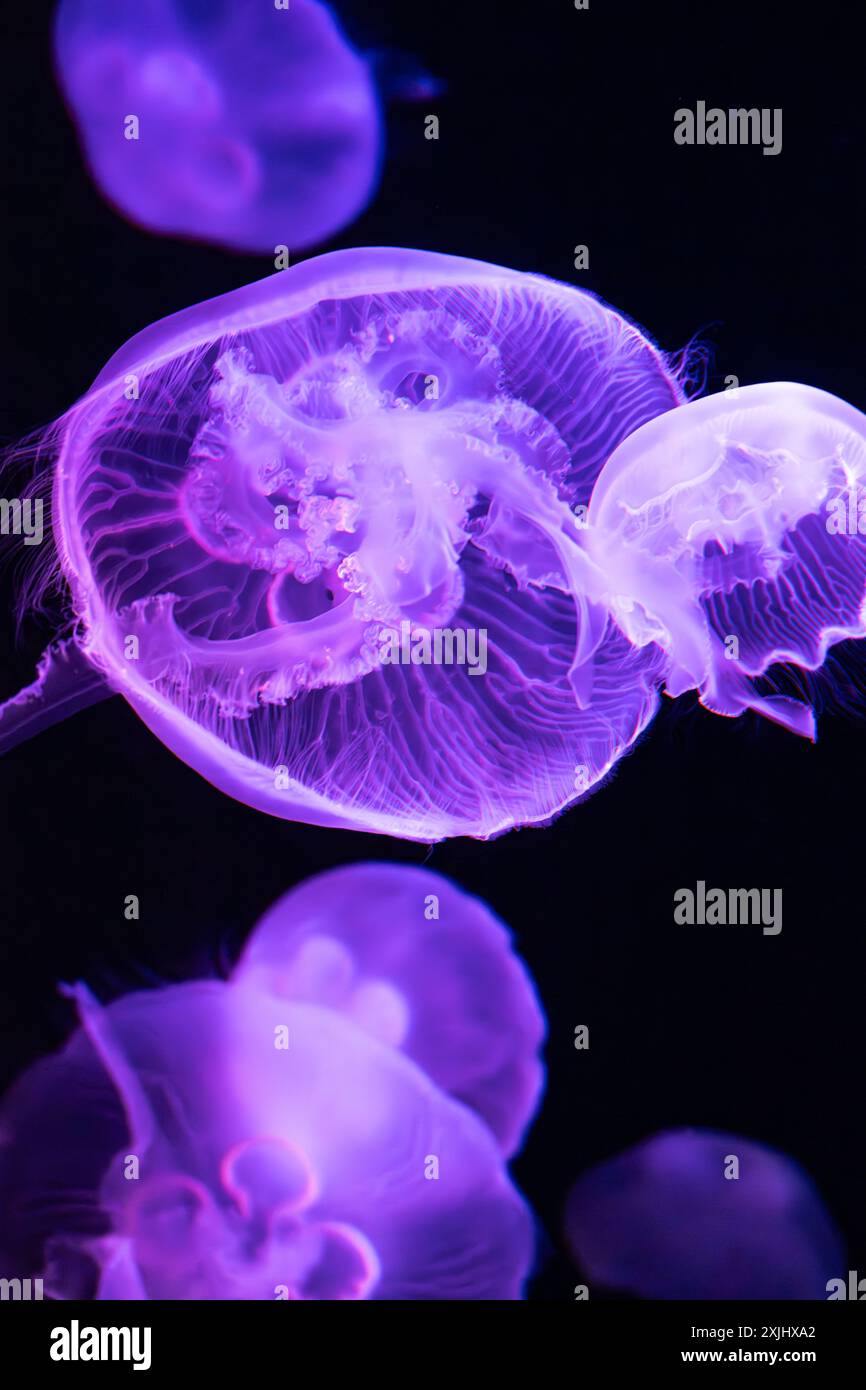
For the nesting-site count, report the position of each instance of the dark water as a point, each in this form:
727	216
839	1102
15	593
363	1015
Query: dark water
556	130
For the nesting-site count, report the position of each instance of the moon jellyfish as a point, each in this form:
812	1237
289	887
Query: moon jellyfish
723	531
326	535
443	957
251	125
696	1214
323	1125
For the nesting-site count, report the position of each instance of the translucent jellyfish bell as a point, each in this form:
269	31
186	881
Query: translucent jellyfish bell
251	125
724	532
421	965
696	1214
325	535
279	1134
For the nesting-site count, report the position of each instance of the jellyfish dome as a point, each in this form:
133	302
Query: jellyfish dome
251	125
731	533
425	967
326	535
694	1214
275	1135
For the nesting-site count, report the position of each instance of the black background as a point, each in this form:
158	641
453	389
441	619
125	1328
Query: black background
556	129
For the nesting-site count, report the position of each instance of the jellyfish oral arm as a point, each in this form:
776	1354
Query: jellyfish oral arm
370	508
65	683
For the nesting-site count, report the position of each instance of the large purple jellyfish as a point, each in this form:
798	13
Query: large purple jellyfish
324	534
331	1122
696	1214
252	125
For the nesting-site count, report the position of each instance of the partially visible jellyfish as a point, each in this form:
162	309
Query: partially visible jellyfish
694	1214
731	534
279	1135
325	534
251	125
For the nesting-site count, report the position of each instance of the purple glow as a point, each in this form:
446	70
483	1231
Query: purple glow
257	126
663	1220
286	1123
271	507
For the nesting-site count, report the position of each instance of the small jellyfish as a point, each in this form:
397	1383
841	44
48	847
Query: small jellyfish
252	125
731	534
329	1123
326	535
701	1215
